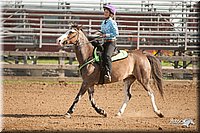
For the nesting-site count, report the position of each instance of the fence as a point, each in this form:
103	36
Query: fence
61	66
146	25
159	25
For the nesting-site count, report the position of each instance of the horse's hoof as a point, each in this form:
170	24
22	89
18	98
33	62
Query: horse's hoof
160	115
102	112
67	115
105	114
118	114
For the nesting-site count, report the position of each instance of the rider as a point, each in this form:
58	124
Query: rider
109	31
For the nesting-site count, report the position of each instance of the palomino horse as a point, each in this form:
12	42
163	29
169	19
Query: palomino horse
136	66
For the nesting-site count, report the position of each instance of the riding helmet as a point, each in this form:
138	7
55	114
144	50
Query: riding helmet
110	7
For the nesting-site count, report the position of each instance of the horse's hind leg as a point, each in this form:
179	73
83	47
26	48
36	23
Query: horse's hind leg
151	94
127	92
82	90
155	108
97	109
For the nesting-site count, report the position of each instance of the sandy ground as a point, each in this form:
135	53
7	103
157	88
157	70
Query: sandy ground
39	105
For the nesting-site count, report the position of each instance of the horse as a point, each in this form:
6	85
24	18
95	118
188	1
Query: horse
137	66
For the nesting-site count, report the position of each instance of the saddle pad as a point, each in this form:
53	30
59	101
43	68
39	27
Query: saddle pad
123	54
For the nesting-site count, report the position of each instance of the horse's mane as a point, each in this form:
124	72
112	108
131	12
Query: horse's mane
80	27
76	26
91	39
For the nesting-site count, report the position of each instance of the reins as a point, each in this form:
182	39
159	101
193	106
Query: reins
95	59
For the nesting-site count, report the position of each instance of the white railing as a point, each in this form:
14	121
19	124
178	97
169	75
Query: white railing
172	24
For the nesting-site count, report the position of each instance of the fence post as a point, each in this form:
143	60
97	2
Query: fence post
71	58
90	25
194	67
186	35
25	58
61	64
40	45
16	58
138	36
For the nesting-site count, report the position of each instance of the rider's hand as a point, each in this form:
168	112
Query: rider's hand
98	32
103	35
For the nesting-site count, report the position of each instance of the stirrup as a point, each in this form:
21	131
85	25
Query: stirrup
107	78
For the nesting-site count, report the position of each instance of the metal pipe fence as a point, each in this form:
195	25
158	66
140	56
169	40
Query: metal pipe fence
159	23
146	25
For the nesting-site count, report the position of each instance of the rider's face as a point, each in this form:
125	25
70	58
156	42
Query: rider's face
106	13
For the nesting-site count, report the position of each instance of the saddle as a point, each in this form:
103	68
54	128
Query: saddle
98	50
117	54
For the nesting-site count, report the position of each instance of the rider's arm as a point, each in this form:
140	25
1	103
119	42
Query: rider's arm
110	29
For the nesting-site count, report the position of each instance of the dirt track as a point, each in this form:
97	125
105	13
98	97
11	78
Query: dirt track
39	105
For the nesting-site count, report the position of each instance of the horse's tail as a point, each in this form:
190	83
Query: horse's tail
156	72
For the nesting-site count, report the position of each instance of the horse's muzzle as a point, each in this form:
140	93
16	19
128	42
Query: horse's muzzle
60	42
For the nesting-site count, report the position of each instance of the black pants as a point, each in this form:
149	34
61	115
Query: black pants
109	48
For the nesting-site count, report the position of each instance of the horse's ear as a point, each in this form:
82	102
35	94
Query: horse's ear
79	27
71	24
74	25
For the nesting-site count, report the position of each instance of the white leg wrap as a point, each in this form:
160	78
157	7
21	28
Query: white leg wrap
121	110
153	102
126	99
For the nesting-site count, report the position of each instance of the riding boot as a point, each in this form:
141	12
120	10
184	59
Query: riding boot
107	77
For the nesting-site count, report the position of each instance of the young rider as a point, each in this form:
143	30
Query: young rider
109	31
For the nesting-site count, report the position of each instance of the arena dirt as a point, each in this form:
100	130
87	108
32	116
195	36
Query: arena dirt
40	105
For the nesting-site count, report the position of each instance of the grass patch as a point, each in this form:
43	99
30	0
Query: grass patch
55	61
37	81
40	61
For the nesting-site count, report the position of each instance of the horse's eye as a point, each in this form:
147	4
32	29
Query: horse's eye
70	32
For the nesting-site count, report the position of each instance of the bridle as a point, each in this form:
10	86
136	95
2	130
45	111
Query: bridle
76	42
78	45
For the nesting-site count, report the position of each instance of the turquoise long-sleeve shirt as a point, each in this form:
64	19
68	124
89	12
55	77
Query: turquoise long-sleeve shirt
109	28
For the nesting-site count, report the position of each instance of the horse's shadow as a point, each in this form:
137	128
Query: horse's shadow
42	115
30	115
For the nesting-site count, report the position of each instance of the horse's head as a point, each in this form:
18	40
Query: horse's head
70	37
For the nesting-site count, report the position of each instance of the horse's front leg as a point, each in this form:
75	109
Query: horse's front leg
82	91
94	105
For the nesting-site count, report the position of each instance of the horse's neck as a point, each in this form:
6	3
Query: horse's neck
84	49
